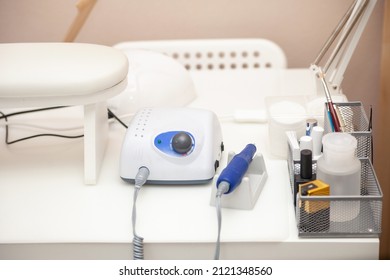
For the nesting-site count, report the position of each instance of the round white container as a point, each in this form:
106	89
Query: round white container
341	169
284	116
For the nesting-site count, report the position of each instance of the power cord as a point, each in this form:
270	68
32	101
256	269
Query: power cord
8	142
6	116
138	246
112	115
32	111
222	189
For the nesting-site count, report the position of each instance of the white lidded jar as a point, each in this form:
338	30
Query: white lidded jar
341	169
284	115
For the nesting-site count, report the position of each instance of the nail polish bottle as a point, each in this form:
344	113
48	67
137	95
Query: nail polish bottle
306	172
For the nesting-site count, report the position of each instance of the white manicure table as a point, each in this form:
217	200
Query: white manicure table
47	212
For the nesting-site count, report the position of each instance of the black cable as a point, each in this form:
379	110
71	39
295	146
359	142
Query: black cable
112	115
30	111
41	135
5	117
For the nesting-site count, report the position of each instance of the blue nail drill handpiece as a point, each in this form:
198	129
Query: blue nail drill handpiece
236	168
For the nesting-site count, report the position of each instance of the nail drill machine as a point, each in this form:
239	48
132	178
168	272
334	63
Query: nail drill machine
177	145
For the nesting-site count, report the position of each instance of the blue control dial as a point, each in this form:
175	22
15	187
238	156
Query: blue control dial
175	143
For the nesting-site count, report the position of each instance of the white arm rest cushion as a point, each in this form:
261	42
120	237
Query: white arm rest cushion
39	70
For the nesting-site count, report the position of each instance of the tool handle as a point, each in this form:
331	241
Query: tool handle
237	167
335	118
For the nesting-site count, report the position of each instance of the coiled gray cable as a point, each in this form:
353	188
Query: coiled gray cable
222	189
138	245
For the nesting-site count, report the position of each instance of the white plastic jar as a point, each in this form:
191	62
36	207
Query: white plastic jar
341	169
284	115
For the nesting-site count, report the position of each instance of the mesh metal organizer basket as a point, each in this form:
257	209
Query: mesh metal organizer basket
343	216
356	124
315	217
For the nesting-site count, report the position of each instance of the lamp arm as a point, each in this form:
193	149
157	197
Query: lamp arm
349	29
84	8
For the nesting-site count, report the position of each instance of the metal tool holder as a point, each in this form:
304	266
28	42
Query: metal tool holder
356	124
